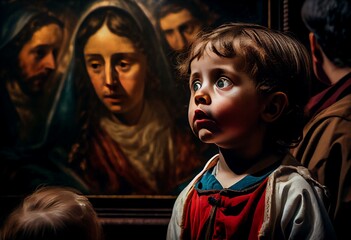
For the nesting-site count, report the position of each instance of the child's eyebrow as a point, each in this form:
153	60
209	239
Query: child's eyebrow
194	75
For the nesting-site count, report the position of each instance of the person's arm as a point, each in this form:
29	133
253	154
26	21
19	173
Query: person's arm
174	227
295	208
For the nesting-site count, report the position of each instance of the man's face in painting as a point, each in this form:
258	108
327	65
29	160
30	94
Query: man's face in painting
180	29
37	58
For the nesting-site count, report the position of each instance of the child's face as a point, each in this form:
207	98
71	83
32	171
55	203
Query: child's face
224	106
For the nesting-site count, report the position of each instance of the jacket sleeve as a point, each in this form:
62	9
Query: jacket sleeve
174	227
295	207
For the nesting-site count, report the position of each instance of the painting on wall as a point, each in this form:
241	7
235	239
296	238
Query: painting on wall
90	96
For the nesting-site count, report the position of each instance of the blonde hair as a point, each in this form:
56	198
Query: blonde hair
53	213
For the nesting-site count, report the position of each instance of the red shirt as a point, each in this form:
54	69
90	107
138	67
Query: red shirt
225	214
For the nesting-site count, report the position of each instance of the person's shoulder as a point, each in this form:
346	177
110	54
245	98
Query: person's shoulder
293	175
341	109
210	163
290	181
291	193
332	121
291	170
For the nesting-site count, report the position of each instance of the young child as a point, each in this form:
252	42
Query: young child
249	85
54	213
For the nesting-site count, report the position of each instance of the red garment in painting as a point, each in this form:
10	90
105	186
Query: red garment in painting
106	169
225	214
109	170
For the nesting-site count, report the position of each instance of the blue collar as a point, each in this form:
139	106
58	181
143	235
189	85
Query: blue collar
209	182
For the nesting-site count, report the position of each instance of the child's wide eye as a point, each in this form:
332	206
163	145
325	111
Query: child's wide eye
223	82
196	85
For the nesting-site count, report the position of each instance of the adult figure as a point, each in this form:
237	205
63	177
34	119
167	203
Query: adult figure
179	21
129	142
326	145
29	46
30	49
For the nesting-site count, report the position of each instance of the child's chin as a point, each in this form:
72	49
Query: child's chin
205	135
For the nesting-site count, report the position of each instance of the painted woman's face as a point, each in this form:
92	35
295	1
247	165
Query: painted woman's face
118	73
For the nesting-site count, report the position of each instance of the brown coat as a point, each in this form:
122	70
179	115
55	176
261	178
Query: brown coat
326	151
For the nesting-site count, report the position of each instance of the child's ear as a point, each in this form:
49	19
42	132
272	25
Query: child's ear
275	105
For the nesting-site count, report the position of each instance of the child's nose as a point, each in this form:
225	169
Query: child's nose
202	98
